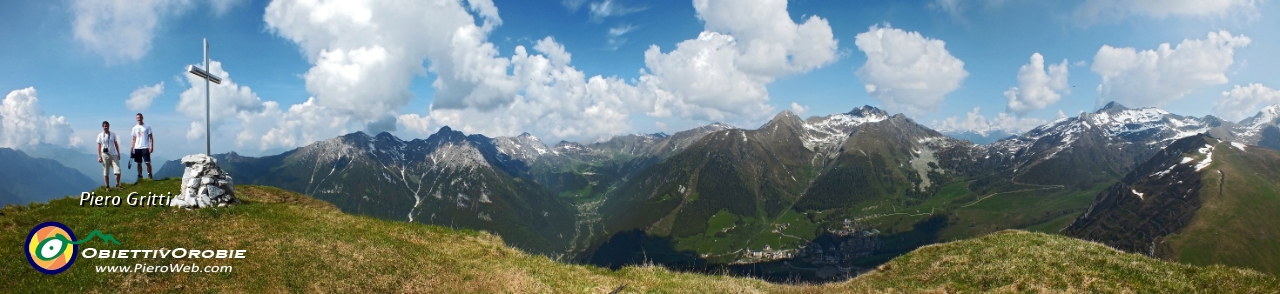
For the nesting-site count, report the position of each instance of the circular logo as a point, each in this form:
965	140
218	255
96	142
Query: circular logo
50	247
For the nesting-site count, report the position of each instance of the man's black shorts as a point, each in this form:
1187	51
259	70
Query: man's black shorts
141	155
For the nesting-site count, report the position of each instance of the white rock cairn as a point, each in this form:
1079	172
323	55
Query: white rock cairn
204	184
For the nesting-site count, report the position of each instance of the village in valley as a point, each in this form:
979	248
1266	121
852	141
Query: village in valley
839	248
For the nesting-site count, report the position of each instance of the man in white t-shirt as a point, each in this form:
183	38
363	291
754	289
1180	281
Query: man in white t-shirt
143	144
109	154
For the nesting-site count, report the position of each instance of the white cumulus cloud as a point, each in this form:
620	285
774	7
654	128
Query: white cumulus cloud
248	121
977	123
1037	88
703	77
769	42
415	124
300	124
23	123
1153	77
1244	102
225	99
724	72
122	30
556	101
907	71
799	110
141	98
365	55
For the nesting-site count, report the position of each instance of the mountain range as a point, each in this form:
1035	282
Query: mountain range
85	162
27	179
719	195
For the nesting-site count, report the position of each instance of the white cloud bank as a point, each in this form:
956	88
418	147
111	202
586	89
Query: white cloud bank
1244	102
977	123
1037	88
225	100
907	71
365	55
238	115
23	123
1153	77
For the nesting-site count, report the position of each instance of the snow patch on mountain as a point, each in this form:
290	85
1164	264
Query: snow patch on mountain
565	147
1166	125
1269	114
1118	125
524	147
1166	171
833	129
1253	126
1208	157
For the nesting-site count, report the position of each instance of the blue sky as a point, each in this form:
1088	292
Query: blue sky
303	71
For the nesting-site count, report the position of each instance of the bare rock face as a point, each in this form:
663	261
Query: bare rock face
204	184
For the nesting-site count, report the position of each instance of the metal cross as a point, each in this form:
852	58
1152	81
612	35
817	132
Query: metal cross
208	77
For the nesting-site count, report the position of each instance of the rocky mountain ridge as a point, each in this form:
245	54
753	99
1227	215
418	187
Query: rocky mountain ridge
790	178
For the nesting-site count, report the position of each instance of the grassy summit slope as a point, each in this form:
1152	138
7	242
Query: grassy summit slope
299	244
1237	224
1200	201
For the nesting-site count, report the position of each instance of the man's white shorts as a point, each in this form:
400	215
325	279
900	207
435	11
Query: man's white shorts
109	162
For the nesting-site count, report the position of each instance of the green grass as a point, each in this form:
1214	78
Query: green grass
1036	210
721	221
796	231
716	239
1239	225
1020	206
1053	226
1017	261
948	195
299	244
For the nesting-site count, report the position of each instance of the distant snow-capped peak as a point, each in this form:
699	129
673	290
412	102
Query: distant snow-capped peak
1147	126
1268	115
1251	127
523	147
832	129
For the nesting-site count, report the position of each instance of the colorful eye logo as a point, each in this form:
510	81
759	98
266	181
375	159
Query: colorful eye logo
51	248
